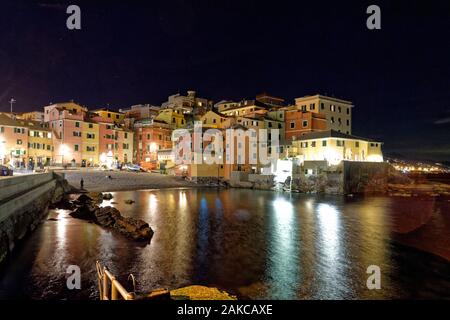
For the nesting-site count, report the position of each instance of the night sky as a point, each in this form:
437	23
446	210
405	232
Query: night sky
133	52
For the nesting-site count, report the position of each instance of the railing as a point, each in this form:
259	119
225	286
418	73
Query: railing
109	287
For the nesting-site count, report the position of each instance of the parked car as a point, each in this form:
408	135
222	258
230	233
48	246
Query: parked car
5	171
132	167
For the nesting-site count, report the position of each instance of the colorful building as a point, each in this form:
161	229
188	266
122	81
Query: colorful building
338	112
25	143
13	141
40	144
66	122
115	142
90	143
175	118
214	119
151	136
108	114
333	147
298	123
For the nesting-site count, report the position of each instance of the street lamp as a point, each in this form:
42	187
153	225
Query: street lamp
12	101
218	168
64	150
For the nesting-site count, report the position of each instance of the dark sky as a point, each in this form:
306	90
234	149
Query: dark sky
132	52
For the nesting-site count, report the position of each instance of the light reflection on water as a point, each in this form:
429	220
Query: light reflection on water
256	244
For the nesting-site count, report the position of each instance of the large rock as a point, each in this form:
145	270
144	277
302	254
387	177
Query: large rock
135	229
85	212
110	217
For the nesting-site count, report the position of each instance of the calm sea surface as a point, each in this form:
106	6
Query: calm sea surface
255	244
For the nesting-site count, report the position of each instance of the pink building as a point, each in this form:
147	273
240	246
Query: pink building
66	121
115	142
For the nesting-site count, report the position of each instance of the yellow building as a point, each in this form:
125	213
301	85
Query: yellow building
115	116
173	117
90	144
214	119
245	109
40	143
333	147
126	138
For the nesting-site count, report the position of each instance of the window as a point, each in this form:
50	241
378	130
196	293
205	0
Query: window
292	125
322	106
339	109
348	122
109	115
90	149
90	136
339	120
313	144
159	137
117	116
270	124
77	134
125	135
324	143
305	123
356	144
348	110
279	126
304	145
173	120
304	107
2	129
332	119
340	143
77	124
75	147
332	107
214	120
312	106
125	146
90	125
19	141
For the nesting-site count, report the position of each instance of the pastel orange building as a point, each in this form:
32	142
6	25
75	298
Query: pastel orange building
66	122
298	122
150	137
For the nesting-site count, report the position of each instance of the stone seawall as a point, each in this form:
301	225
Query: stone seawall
24	202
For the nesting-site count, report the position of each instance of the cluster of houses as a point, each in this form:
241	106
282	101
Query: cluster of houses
315	129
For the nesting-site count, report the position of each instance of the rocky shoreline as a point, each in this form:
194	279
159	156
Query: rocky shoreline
86	207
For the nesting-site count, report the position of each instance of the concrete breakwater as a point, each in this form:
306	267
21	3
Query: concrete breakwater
348	177
24	202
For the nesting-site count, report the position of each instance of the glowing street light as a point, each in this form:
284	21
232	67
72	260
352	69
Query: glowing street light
2	151
64	151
